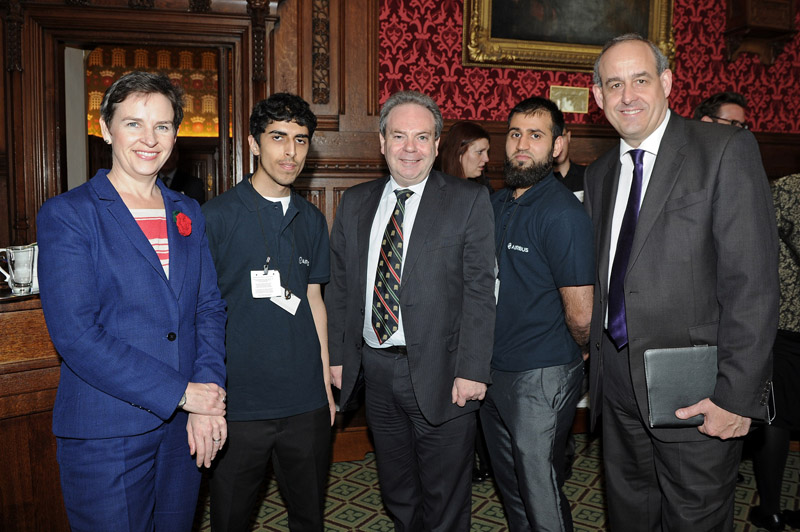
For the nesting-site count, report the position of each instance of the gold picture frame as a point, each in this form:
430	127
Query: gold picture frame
481	48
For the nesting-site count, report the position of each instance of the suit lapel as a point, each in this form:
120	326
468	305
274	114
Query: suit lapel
665	173
365	219
178	244
126	222
429	209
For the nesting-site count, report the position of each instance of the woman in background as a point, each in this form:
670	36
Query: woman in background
464	153
770	443
130	297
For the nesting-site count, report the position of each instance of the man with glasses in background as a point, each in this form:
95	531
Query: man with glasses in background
723	108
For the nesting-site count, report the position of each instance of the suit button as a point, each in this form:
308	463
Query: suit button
171	336
362	311
597	346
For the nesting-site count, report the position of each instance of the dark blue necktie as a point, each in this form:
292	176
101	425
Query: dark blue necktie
617	326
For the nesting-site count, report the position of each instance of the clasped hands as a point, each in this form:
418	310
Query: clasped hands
718	422
206	428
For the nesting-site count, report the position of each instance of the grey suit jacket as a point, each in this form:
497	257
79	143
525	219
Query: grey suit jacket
446	297
703	266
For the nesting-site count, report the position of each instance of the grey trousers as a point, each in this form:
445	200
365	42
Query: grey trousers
526	419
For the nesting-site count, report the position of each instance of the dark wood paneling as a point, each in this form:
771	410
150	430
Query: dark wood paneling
780	153
31	496
30	493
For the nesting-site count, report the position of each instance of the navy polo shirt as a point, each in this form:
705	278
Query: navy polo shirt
543	241
273	358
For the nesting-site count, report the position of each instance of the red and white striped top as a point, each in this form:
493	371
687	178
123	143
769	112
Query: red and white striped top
153	223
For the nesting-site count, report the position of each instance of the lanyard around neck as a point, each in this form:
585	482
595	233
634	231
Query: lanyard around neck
287	293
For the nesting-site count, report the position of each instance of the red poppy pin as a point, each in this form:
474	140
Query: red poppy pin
183	222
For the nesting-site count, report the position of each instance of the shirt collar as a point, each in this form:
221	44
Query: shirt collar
530	195
650	144
392	185
254	201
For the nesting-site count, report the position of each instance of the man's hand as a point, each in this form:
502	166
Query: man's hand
719	423
207	435
205	398
466	390
336	376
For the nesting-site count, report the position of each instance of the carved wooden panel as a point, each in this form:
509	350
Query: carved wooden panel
13	35
321	81
314	195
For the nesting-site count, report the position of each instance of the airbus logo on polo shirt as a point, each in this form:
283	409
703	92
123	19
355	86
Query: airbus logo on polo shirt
301	260
515	247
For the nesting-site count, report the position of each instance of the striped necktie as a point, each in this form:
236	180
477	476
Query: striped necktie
386	293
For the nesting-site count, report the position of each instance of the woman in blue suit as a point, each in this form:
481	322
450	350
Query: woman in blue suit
130	297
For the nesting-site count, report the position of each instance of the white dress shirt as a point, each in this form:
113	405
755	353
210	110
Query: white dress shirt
650	146
382	216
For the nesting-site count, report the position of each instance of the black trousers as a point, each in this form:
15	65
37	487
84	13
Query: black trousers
653	485
299	448
770	443
425	471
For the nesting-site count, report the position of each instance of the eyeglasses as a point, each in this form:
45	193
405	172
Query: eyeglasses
743	125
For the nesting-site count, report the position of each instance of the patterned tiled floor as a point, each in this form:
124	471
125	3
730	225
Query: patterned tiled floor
354	502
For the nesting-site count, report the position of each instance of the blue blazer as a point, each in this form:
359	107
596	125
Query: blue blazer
130	339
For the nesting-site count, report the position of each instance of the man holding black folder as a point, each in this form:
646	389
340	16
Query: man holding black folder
687	256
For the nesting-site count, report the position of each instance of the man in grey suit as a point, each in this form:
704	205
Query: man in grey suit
411	302
687	255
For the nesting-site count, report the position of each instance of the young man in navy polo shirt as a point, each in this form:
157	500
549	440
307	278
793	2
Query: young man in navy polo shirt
544	250
270	248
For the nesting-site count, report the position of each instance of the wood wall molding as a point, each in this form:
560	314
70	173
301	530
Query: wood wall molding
141	4
358	166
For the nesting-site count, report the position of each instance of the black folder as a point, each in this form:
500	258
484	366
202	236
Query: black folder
676	378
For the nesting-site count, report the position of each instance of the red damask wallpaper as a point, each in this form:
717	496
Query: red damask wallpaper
421	50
